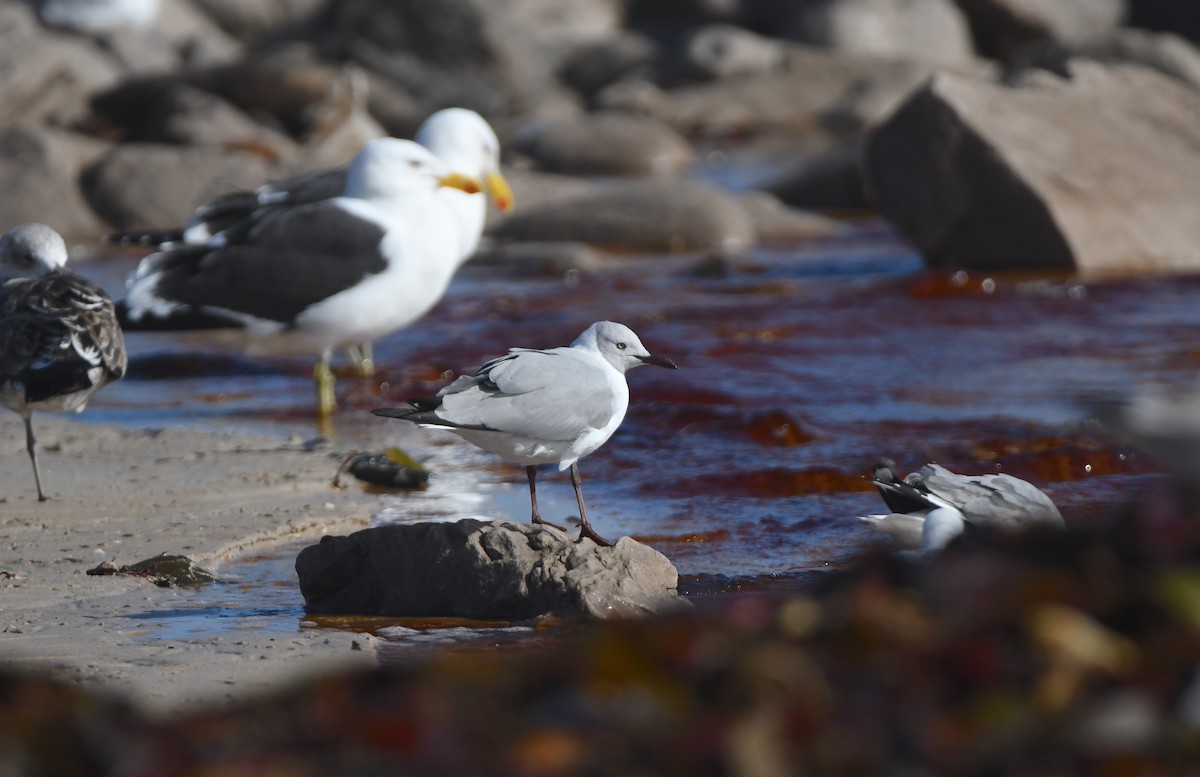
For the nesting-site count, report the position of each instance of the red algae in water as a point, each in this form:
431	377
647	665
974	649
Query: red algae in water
774	427
777	482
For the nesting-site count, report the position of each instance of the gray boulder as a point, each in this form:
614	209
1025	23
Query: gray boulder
923	30
1165	52
722	50
649	214
146	185
248	20
775	222
606	144
809	84
1098	172
39	171
46	75
494	571
454	52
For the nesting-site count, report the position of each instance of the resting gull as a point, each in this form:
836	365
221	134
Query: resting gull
313	277
59	338
930	506
536	407
460	138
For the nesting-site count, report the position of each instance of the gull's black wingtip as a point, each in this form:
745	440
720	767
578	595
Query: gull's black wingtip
392	412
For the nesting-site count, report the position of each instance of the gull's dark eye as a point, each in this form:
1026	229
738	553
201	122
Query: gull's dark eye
620	346
414	163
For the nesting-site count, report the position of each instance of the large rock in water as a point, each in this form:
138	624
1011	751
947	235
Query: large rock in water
473	569
1098	172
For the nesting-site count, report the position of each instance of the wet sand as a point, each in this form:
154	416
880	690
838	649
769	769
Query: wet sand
124	495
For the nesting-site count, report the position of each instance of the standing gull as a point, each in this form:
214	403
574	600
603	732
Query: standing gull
318	276
59	338
460	138
536	407
931	506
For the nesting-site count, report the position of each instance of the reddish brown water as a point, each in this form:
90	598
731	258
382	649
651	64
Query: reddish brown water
799	366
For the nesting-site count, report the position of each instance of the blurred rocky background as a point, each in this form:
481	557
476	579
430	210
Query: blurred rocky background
990	133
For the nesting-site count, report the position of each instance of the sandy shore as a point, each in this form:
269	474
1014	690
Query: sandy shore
125	495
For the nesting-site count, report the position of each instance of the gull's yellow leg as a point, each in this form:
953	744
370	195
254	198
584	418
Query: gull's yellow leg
363	357
323	377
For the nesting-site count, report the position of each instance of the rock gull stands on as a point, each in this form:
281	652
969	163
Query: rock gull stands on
461	138
59	338
930	506
536	407
313	277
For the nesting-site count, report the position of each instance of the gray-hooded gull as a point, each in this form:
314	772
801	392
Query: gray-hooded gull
460	138
535	407
308	278
59	338
931	506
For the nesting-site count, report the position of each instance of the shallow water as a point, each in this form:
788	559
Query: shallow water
799	367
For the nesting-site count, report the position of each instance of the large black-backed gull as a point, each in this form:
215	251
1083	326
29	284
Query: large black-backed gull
461	138
59	338
313	277
536	407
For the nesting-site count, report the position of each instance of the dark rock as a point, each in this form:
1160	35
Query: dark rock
924	30
1002	27
1165	52
1095	173
1166	16
654	13
649	215
763	16
189	116
144	185
590	68
473	569
830	179
288	85
40	168
606	144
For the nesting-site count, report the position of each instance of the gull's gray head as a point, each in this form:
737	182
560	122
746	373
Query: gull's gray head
31	251
390	167
619	346
466	143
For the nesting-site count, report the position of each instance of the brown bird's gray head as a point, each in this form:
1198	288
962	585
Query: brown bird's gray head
31	251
